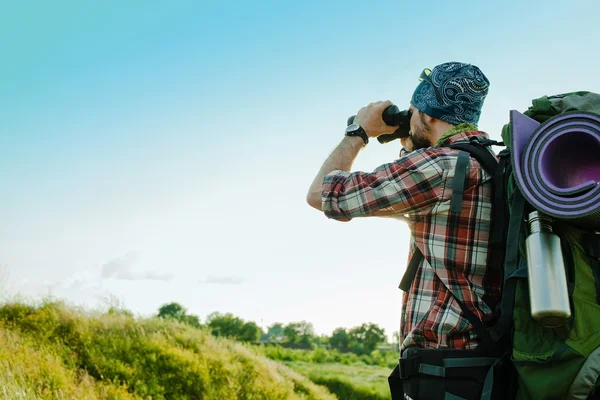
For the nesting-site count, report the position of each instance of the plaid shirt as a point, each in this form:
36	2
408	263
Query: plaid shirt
457	263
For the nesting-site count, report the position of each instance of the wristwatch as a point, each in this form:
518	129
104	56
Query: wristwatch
357	130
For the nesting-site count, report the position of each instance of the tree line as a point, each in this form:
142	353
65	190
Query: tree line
360	340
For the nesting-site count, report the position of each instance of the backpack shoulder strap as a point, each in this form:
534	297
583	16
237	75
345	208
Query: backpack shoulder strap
411	270
477	148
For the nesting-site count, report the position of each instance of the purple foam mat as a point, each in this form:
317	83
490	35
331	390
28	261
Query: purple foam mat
557	165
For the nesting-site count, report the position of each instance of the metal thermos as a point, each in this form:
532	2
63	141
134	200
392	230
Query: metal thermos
548	291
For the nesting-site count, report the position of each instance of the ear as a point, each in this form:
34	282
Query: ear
429	120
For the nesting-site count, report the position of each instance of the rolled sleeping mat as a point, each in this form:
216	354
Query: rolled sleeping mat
557	165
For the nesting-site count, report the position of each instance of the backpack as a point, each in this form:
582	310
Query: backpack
520	359
563	362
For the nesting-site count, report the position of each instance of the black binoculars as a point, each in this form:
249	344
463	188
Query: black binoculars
393	117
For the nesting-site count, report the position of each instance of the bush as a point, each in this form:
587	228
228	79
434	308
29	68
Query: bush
58	351
29	371
322	355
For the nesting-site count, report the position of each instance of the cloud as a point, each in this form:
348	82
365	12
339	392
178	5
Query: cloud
118	266
142	276
123	268
223	280
84	280
78	283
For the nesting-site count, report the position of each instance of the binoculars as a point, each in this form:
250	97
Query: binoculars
393	117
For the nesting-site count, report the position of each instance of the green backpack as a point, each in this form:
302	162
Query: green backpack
564	362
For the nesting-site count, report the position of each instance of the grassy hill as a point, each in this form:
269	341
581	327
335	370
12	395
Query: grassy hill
53	351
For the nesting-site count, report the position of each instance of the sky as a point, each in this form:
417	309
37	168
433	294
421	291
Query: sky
162	151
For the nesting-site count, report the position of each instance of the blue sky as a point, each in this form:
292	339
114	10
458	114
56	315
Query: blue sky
161	151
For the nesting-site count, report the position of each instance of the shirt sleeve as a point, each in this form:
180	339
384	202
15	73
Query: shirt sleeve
411	184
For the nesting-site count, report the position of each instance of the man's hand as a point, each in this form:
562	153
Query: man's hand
371	120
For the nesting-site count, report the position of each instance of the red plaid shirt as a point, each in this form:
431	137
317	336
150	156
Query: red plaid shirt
457	263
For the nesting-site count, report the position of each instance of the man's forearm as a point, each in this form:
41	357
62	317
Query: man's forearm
341	158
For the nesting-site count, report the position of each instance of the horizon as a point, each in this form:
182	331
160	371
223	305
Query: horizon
162	153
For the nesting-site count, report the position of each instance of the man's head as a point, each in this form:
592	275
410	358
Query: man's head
450	94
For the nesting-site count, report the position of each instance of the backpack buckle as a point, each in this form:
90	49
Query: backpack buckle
485	142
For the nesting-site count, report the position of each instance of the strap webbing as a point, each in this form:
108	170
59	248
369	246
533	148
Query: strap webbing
511	263
450	396
434	370
499	206
458	184
469	362
437	370
411	270
496	170
478	326
488	385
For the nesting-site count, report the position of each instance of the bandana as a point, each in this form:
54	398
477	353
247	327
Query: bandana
453	92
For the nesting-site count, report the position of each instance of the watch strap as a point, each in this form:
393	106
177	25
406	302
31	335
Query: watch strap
359	132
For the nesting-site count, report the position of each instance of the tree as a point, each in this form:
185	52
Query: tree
301	332
178	312
365	338
250	332
192	320
226	325
291	332
340	339
172	310
321	340
230	326
307	332
275	332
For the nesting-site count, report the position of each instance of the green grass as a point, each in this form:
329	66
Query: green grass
29	370
321	355
348	382
347	375
53	351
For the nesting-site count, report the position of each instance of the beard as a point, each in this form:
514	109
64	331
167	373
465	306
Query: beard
419	136
419	141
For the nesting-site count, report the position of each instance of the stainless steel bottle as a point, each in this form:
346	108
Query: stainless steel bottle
548	291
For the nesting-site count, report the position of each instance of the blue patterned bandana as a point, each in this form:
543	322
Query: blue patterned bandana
453	92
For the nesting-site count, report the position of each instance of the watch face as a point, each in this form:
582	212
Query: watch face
352	128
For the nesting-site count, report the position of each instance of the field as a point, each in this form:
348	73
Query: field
53	351
348	382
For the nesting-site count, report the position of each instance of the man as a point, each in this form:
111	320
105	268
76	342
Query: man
457	273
